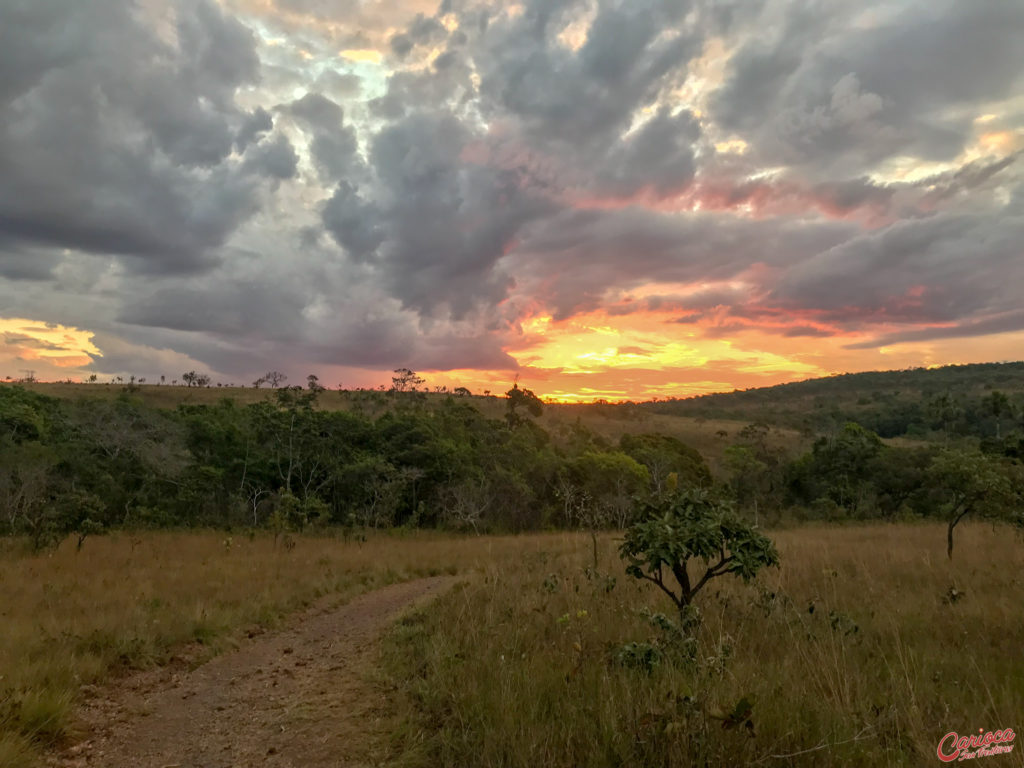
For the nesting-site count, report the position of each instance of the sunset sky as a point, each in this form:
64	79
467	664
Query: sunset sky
613	199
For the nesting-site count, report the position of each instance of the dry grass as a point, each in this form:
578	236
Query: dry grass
518	668
127	601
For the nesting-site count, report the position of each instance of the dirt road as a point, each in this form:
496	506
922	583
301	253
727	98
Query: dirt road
297	698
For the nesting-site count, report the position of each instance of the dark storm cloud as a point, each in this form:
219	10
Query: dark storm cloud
401	44
116	139
254	125
275	158
423	30
578	257
441	224
356	224
1003	323
840	86
582	97
549	159
18	263
318	111
658	157
333	145
936	269
266	309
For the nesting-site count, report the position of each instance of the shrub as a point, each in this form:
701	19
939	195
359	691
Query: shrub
692	525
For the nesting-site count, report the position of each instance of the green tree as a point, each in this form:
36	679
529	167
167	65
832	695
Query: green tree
974	484
663	456
944	409
600	489
517	398
692	526
999	405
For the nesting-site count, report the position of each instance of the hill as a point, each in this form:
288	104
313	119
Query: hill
611	421
916	403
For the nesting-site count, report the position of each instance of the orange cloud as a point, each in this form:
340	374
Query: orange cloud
48	350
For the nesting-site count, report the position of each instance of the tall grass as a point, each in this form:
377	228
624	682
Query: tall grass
69	619
863	649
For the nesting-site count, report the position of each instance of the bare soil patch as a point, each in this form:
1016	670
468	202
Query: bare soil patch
296	698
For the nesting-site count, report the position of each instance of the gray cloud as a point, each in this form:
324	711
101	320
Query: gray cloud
116	140
334	147
658	157
156	160
584	97
1008	322
828	91
275	158
576	258
441	224
939	268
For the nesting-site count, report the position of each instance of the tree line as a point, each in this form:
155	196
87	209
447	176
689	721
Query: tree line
79	467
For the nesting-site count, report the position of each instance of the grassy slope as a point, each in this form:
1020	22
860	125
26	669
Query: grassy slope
518	669
789	403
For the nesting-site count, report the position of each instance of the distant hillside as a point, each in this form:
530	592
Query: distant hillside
913	402
919	404
709	436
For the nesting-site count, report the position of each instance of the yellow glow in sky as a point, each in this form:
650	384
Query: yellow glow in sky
640	355
361	54
44	348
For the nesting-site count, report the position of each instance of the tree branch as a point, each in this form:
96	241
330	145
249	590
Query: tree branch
715	570
661	585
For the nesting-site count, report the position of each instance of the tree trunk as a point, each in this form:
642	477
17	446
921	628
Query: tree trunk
949	532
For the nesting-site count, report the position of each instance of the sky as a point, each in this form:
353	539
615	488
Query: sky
618	199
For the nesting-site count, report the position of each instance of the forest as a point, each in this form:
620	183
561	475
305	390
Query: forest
79	466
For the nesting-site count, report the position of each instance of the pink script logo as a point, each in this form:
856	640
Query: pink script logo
956	747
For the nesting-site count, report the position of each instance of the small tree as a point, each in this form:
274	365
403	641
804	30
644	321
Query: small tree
521	398
405	380
189	378
274	378
691	525
975	484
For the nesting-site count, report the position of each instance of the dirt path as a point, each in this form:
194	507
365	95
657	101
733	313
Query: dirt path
298	698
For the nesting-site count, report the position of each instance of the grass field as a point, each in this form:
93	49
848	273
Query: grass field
857	651
129	601
525	665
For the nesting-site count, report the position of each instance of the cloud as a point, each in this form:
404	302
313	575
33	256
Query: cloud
333	148
441	224
373	183
581	98
275	158
928	270
840	88
117	138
